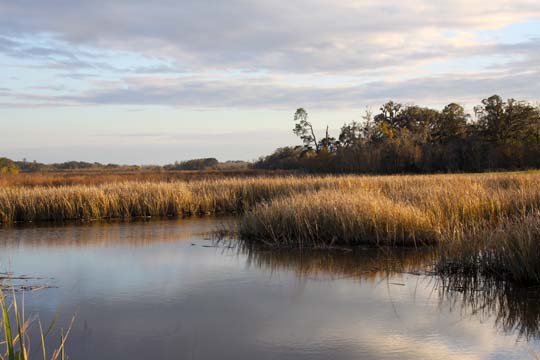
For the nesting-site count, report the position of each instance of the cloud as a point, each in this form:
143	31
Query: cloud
270	93
299	36
265	54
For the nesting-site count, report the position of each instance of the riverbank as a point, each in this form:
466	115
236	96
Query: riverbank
486	223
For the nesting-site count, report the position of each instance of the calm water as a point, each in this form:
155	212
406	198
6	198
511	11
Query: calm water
157	291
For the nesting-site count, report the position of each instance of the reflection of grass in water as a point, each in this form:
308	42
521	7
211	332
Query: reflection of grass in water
358	264
111	233
515	309
16	339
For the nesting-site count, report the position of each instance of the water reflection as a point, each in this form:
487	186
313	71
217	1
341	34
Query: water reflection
162	289
103	234
333	264
515	309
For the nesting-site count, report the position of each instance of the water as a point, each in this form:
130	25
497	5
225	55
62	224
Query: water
156	290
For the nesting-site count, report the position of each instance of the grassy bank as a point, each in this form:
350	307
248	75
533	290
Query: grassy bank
508	250
487	223
391	199
394	210
124	200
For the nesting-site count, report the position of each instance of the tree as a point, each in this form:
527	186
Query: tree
350	134
8	166
194	164
419	121
491	120
368	130
451	125
304	129
386	122
328	143
414	139
285	158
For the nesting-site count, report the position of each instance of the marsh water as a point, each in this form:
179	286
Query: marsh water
165	290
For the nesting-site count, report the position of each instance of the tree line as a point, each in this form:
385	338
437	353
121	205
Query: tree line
401	138
8	166
194	164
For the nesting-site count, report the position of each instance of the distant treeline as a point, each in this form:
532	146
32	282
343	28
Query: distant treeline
8	166
34	166
194	164
413	139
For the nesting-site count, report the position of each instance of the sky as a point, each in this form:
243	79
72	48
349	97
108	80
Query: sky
139	82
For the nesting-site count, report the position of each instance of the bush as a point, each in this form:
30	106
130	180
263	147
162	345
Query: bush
8	166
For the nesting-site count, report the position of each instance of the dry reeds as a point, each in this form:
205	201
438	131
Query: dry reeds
331	217
150	199
393	210
488	224
97	177
506	251
460	212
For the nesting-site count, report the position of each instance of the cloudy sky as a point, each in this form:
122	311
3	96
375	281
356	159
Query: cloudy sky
153	82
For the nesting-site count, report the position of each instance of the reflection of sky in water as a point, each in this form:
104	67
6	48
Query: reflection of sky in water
143	290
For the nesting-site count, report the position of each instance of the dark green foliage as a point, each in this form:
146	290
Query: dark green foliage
34	166
8	166
194	164
285	158
413	139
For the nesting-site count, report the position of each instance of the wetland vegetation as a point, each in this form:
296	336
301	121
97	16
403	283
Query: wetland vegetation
15	333
310	211
486	223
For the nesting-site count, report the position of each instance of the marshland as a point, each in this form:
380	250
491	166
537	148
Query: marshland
156	265
310	252
308	179
478	222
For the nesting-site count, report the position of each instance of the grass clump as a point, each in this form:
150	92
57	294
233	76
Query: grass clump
508	251
393	210
333	218
16	338
487	224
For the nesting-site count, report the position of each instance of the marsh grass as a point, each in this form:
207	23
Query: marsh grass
488	224
332	218
506	251
452	198
97	177
407	210
479	222
126	200
16	338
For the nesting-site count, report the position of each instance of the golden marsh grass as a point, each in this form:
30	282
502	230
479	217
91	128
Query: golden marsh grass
142	199
485	222
393	210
